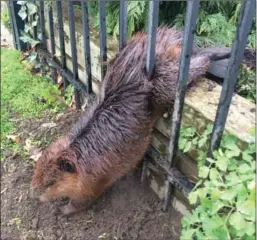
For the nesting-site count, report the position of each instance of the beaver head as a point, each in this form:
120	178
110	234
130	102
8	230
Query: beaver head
56	174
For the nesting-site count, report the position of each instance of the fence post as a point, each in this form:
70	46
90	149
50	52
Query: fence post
150	55
188	37
74	50
17	25
103	43
246	16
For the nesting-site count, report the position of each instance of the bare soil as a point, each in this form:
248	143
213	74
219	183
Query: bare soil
128	210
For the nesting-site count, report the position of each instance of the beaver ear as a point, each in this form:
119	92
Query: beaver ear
67	166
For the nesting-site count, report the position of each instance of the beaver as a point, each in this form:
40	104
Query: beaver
114	133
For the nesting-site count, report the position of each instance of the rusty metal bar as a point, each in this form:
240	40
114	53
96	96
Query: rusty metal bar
61	39
123	23
42	24
73	50
150	55
13	5
188	37
86	40
52	41
152	28
12	24
246	16
103	41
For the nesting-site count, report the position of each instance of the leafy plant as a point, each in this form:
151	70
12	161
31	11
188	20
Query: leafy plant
225	192
191	140
246	84
5	19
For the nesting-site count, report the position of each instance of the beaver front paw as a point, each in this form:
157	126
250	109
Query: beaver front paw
68	209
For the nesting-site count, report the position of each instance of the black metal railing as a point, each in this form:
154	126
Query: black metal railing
247	12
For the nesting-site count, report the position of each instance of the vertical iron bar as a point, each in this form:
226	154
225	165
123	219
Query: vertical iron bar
103	44
123	23
152	28
86	38
244	25
188	37
73	50
33	18
42	24
43	33
15	26
150	55
52	41
61	39
12	24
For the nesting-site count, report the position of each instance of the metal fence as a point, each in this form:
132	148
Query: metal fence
246	16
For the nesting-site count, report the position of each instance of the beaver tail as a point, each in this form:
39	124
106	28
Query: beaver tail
168	52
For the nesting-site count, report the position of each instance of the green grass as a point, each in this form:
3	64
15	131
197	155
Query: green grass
23	95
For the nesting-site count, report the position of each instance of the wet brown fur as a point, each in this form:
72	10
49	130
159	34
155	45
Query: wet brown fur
113	135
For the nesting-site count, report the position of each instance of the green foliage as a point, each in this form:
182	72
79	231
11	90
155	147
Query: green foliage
246	83
191	140
5	19
137	15
225	191
23	93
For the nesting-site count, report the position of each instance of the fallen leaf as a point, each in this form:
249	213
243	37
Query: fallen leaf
35	157
102	236
14	138
48	125
33	151
3	190
59	78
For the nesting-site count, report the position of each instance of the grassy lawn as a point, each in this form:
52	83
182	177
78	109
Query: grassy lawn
23	95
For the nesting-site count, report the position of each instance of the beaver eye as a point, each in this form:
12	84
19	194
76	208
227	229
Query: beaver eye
67	166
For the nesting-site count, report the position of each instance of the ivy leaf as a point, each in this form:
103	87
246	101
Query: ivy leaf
221	232
228	195
193	197
237	221
233	153
215	194
209	224
27	28
187	234
195	140
202	141
23	13
214	174
232	179
217	205
34	24
206	203
251	149
182	143
229	142
21	2
250	228
247	157
187	147
244	168
222	163
203	172
232	165
242	192
32	8
247	208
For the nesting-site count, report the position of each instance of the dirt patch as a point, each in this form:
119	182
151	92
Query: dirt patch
128	210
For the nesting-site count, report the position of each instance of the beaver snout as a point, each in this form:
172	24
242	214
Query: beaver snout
34	193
